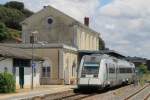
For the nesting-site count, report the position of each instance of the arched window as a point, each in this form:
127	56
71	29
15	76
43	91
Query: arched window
5	69
46	69
74	68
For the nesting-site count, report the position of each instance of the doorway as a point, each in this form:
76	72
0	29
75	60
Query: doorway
66	73
21	77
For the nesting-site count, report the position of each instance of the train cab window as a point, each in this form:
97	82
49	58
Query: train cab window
90	68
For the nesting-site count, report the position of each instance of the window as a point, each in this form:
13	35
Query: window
21	62
73	68
45	71
49	20
125	70
90	68
48	71
34	69
14	70
5	69
111	70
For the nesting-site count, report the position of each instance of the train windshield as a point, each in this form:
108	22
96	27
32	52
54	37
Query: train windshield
90	68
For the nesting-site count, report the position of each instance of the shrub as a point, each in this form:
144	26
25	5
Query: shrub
7	83
3	31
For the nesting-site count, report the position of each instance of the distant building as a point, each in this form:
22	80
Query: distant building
18	63
137	60
148	64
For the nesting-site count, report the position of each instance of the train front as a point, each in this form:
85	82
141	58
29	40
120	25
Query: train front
88	73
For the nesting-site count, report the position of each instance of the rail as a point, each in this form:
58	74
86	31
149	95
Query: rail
137	92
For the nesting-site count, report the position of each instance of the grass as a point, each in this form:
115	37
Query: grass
144	78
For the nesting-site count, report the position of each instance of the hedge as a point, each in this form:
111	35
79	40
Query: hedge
7	83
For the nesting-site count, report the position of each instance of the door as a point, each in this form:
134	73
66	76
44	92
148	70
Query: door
21	76
116	72
66	73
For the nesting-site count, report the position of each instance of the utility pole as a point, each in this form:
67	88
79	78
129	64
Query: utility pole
32	40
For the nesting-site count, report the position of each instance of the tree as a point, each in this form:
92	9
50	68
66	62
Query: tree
101	44
11	17
15	5
143	69
27	12
3	32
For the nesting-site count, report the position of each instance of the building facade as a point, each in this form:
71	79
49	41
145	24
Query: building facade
53	26
62	36
18	63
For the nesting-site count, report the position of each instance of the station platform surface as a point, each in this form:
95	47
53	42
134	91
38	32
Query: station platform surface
42	90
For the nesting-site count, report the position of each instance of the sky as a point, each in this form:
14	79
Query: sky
124	25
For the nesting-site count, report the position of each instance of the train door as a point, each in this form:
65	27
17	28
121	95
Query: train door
116	73
21	77
107	72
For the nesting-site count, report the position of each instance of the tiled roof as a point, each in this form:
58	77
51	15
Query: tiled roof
6	51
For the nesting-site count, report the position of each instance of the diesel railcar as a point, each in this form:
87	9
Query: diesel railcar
101	70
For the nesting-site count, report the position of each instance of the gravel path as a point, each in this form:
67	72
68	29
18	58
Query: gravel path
142	94
116	94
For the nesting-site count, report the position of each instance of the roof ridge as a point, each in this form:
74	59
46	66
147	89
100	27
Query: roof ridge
51	7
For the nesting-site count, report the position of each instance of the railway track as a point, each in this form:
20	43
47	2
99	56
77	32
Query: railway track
141	94
76	97
82	95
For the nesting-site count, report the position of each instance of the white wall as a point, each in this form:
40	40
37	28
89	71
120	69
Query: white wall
27	73
6	63
28	77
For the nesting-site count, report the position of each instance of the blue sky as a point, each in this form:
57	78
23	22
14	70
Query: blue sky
3	1
105	2
123	24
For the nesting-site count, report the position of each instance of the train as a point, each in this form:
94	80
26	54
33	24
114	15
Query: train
102	71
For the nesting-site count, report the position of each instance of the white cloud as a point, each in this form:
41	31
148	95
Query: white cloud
131	19
75	8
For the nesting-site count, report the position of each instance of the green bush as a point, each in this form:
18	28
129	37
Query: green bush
7	83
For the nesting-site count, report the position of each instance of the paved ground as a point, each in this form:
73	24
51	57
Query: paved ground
43	90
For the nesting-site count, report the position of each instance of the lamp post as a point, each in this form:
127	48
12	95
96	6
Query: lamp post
32	40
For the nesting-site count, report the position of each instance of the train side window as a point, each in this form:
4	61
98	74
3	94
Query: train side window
121	70
114	68
106	68
111	70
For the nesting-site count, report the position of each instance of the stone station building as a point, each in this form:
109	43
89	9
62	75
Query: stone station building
62	38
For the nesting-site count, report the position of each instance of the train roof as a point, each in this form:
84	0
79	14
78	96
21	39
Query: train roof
119	61
108	52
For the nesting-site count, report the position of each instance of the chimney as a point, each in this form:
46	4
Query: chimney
45	6
86	21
